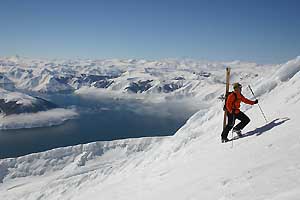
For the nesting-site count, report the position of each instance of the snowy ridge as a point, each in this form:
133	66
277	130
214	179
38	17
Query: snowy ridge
19	98
190	165
19	110
76	156
171	77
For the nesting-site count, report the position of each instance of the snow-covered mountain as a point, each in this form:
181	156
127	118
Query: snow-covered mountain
16	103
171	77
19	110
192	164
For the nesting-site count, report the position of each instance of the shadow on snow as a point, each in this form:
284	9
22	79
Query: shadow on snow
261	130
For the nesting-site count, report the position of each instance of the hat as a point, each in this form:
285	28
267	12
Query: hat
237	85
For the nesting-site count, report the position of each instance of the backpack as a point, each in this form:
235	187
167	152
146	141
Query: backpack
226	97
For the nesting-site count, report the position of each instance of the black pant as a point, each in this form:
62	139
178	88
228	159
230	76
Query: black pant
231	120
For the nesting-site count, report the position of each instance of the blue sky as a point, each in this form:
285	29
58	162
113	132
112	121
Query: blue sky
264	31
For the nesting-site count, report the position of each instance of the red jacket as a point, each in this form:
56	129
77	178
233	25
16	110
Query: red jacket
234	102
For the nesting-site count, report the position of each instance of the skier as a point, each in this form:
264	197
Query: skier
233	112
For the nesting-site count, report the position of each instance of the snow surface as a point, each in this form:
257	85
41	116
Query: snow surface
19	98
46	118
192	164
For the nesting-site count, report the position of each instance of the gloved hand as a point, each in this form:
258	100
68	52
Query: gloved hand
256	101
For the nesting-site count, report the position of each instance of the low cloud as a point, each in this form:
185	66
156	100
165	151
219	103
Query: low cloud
163	105
40	119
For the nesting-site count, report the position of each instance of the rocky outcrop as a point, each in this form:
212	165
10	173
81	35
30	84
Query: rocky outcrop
139	87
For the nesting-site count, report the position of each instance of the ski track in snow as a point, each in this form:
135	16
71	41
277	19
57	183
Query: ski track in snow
192	164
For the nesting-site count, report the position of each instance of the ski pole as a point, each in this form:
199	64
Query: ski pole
232	139
258	104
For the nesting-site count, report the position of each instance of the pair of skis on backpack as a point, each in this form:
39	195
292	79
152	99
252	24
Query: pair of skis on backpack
238	132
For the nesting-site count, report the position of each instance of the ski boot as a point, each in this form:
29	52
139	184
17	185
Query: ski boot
224	140
238	132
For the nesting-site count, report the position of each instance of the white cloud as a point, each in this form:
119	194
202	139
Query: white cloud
39	119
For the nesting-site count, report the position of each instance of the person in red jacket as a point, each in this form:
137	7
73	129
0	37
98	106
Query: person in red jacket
233	112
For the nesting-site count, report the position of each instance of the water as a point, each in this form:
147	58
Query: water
99	120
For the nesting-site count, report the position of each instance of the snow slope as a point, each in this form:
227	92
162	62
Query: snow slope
192	164
19	98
